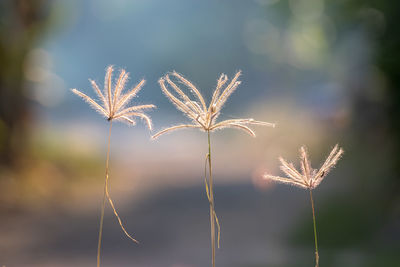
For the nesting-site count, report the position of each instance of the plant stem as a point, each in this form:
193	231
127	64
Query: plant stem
315	231
212	212
104	197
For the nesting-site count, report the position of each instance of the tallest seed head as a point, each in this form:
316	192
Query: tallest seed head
202	116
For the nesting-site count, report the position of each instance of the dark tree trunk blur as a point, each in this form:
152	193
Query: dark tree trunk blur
22	22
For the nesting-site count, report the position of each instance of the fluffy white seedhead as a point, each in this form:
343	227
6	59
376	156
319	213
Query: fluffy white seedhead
114	101
196	110
308	178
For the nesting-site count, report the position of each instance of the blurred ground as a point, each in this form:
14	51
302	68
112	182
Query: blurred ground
171	226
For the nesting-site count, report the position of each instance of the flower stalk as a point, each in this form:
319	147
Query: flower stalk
315	230
211	200
104	196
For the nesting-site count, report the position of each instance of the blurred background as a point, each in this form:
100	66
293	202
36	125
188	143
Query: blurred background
326	72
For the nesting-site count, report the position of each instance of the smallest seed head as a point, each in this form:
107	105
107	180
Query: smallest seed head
307	178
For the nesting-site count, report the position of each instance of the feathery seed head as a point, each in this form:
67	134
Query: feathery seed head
114	101
203	117
308	178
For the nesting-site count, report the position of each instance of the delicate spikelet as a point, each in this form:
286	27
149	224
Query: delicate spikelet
202	116
113	102
284	180
262	123
186	100
329	163
309	178
99	94
123	77
179	104
192	88
91	102
290	170
134	108
174	128
237	126
241	124
124	99
221	81
228	91
141	115
127	120
305	164
108	84
242	127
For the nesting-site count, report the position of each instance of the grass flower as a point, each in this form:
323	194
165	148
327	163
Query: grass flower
113	106
308	178
204	117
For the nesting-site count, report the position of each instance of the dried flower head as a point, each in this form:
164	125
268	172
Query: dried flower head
114	102
204	117
309	178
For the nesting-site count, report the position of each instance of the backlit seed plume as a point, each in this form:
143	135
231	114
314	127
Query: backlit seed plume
308	178
114	101
204	117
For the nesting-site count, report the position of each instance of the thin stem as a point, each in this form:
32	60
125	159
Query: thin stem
315	231
211	200
104	197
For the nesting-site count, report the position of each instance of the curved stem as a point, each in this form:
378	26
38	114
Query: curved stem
315	231
211	200
104	197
